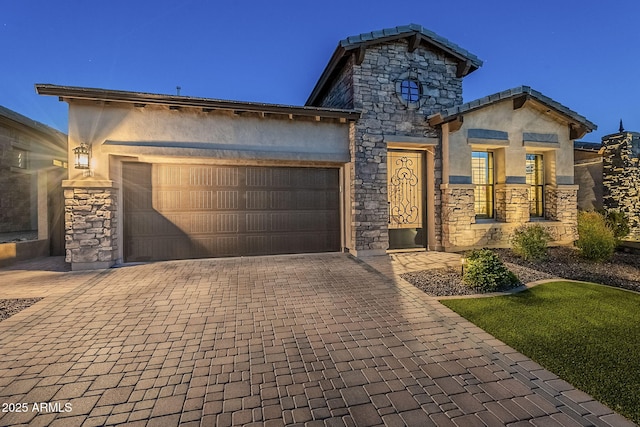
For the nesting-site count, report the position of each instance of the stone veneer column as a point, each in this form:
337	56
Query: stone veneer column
512	203
458	212
561	204
621	178
90	224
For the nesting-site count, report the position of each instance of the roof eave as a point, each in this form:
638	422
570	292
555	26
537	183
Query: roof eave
66	93
415	34
579	125
54	136
336	58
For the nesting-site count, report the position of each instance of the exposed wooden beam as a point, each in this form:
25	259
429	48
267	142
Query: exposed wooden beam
360	54
290	116
577	131
463	68
317	118
261	114
519	101
455	124
414	42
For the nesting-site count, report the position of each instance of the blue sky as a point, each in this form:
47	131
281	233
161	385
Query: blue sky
584	54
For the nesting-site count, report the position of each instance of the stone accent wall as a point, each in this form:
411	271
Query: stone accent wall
512	203
91	227
383	114
461	231
340	95
621	177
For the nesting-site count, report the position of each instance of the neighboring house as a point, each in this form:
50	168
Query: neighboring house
384	155
32	165
587	168
621	176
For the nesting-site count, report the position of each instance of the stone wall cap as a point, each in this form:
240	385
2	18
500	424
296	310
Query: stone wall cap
414	140
88	183
565	186
457	186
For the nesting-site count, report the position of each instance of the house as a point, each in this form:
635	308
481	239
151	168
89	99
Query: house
384	155
33	160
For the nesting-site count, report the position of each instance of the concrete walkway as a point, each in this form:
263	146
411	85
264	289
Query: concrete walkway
307	340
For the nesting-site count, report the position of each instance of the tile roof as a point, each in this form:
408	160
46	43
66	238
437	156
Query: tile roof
404	30
450	113
143	98
467	61
588	146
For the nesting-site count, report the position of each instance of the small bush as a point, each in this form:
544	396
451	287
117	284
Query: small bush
618	222
596	241
530	242
485	272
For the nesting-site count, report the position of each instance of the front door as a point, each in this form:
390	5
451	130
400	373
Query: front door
405	176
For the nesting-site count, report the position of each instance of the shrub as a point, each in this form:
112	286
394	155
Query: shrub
618	222
530	242
596	241
485	272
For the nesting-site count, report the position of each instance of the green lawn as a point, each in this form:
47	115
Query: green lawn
585	333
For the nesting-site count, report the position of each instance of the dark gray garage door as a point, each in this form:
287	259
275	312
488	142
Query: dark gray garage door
199	211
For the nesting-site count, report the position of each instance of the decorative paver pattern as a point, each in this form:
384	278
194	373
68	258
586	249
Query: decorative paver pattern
287	340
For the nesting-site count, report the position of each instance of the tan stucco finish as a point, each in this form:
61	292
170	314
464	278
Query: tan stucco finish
510	155
160	134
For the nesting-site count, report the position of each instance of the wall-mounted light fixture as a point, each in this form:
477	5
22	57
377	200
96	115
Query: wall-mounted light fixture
82	155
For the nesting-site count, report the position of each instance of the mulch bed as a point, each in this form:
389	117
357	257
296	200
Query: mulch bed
622	271
9	307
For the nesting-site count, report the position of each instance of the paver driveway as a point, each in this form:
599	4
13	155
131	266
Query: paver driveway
315	340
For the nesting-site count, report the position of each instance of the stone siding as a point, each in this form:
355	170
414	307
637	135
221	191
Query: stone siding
461	231
621	177
384	115
512	203
340	94
90	225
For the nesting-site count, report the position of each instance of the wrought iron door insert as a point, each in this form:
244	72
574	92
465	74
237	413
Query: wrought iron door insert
405	171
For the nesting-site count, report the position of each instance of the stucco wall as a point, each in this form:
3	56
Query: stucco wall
588	177
511	134
23	194
162	134
502	117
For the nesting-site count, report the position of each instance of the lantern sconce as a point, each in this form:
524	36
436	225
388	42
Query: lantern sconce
82	155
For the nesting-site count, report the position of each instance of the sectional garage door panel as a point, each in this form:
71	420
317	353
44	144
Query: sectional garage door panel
197	211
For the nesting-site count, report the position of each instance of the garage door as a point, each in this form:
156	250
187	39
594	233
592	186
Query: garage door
200	211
